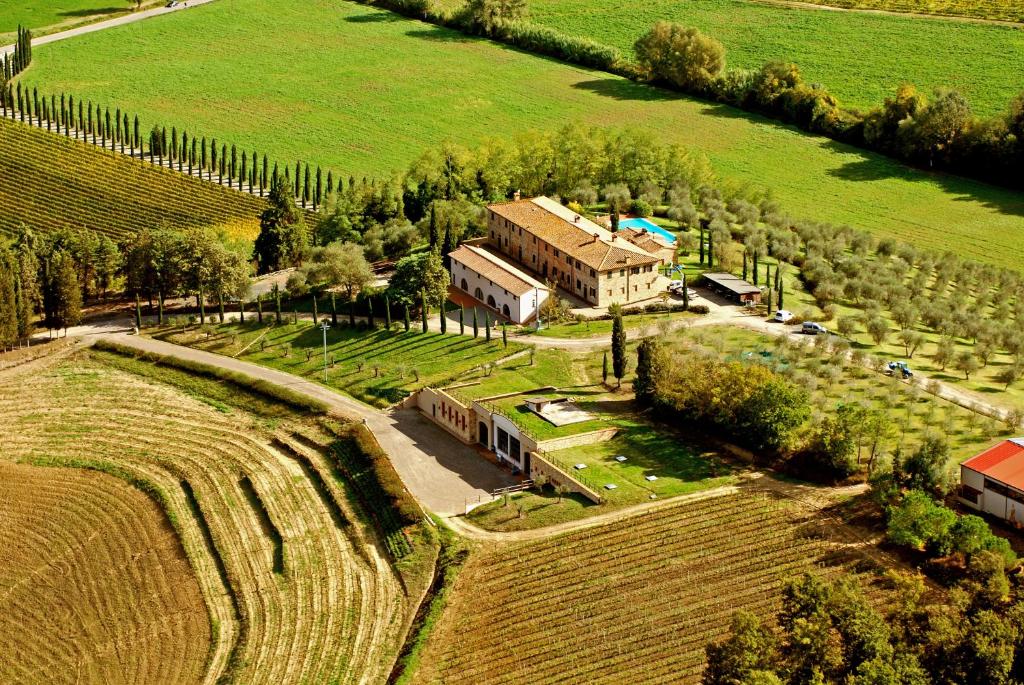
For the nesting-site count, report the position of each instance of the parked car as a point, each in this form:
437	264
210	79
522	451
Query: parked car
813	328
782	316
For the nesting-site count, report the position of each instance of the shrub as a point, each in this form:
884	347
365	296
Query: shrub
640	207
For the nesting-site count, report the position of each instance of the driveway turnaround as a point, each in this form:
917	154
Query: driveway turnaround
445	475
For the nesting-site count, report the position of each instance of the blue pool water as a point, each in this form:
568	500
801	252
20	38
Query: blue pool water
650	226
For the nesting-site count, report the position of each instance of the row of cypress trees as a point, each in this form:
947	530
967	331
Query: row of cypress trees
16	62
119	131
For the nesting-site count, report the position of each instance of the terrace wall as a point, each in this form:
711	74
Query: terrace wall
447	412
559	476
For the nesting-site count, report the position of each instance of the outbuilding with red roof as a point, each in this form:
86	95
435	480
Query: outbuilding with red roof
993	481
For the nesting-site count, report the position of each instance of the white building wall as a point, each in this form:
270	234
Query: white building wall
972	479
500	422
520	309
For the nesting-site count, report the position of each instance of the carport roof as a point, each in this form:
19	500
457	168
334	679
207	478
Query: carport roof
1003	463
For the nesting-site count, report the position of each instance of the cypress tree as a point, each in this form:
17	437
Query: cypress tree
686	295
369	313
298	179
476	324
768	302
234	165
160	308
163	143
604	367
754	267
444	319
487	325
618	345
201	301
462	320
352	313
648	369
318	195
223	163
259	309
433	226
330	183
192	157
220	307
316	318
423	308
504	335
277	305
744	265
137	138
447	246
241	311
334	311
701	244
405	319
780	291
711	254
138	312
305	188
172	152
125	134
244	173
263	176
202	157
387	312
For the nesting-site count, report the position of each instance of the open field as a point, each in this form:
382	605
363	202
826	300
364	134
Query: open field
294	584
837	49
632	601
429	84
57	15
378	367
48	182
94	585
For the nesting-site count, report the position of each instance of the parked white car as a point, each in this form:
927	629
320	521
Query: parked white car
782	316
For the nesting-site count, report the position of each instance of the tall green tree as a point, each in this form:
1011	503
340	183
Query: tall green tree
649	361
282	240
619	361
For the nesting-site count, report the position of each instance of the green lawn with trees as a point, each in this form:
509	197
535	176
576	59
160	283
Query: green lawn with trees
184	67
840	50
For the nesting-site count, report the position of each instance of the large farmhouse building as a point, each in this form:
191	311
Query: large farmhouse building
993	481
491	280
577	254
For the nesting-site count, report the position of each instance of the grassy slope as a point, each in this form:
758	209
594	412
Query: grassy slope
48	182
365	92
51	15
838	49
999	10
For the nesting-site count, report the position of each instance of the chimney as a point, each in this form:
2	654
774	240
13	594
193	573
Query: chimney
516	196
597	237
615	237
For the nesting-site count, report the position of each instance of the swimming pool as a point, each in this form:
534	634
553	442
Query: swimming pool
652	227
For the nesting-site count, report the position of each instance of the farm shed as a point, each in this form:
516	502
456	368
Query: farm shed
496	284
733	287
993	481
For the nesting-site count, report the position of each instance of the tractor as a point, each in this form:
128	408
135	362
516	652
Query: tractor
901	368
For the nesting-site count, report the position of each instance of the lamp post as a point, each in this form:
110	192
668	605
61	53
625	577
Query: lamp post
324	326
536	304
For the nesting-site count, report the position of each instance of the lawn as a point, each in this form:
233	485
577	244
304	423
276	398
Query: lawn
603	327
378	367
54	15
682	467
364	92
838	49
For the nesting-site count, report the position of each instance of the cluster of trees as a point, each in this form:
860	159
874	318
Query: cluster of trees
941	132
752	405
16	62
830	633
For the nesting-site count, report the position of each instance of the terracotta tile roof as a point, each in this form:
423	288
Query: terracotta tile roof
1004	463
577	236
644	240
495	269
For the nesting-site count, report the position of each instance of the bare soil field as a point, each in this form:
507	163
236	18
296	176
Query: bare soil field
94	585
293	590
635	600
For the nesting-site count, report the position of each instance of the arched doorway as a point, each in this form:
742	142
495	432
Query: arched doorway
465	285
478	294
506	311
482	435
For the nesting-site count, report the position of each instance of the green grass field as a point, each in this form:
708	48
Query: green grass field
998	10
365	92
377	367
53	15
860	57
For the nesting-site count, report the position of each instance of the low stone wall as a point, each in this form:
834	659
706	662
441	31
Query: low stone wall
589	438
525	393
559	476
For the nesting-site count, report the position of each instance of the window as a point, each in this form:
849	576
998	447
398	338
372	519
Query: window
556	253
577	263
534	239
593	274
622	272
478	294
514	298
578	284
533	258
502	440
635	270
593	292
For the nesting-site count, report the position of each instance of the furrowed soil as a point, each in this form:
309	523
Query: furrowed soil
292	588
94	584
636	600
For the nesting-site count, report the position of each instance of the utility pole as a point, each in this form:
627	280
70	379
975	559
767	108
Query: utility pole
324	326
